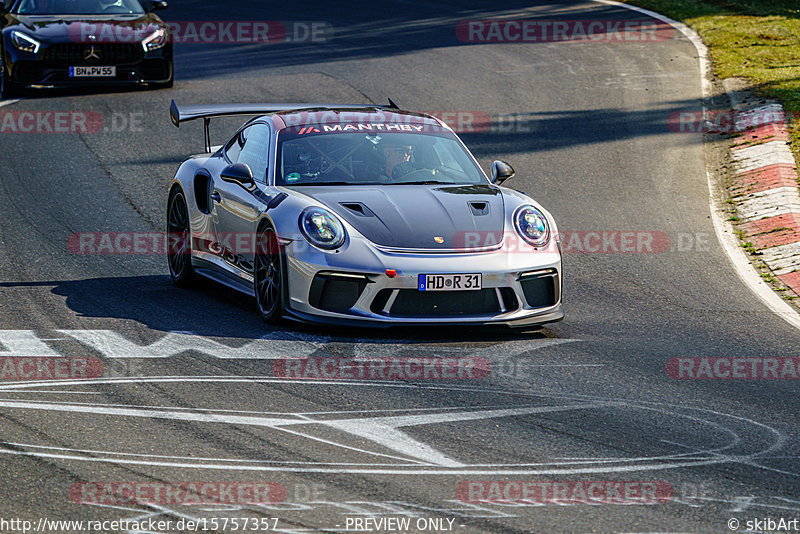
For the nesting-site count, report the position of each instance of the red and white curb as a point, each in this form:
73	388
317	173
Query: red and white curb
764	188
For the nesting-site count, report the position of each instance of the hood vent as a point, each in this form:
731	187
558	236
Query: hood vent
479	208
358	209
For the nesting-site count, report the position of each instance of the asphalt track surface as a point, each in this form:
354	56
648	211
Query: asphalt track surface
587	399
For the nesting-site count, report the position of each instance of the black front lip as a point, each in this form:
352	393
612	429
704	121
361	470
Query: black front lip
87	82
555	315
46	83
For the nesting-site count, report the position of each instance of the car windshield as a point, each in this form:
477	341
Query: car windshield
80	7
309	156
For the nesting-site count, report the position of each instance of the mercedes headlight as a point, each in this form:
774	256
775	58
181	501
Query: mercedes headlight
321	228
25	42
155	40
531	225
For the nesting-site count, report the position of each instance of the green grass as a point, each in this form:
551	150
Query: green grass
754	39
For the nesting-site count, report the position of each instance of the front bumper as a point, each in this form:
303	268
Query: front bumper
353	288
50	67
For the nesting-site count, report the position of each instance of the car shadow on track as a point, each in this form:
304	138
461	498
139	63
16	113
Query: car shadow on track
209	309
45	94
353	31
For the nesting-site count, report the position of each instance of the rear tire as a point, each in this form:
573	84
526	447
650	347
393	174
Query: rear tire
268	276
179	240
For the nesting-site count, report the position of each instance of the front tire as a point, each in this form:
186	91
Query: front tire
169	83
163	85
179	240
8	89
268	276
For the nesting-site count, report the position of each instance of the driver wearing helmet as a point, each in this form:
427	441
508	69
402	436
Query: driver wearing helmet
398	159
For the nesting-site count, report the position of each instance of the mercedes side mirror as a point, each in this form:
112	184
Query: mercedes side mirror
153	5
239	173
501	171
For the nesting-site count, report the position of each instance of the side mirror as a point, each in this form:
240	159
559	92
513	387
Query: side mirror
153	5
239	173
501	171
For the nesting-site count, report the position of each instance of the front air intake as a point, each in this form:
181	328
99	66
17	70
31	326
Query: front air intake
540	288
336	292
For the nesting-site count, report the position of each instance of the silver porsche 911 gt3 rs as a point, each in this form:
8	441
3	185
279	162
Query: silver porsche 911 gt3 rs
363	215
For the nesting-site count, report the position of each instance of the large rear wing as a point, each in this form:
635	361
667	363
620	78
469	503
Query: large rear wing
206	112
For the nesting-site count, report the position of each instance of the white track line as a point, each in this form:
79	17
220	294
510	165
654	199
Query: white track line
8	102
722	227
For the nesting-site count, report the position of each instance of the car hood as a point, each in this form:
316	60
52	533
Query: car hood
414	216
78	28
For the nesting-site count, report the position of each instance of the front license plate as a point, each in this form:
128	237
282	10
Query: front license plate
92	72
449	282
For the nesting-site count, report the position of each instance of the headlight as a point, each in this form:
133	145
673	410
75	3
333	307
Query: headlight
532	226
321	228
25	43
155	40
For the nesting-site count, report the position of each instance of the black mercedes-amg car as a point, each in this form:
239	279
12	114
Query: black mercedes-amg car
65	43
